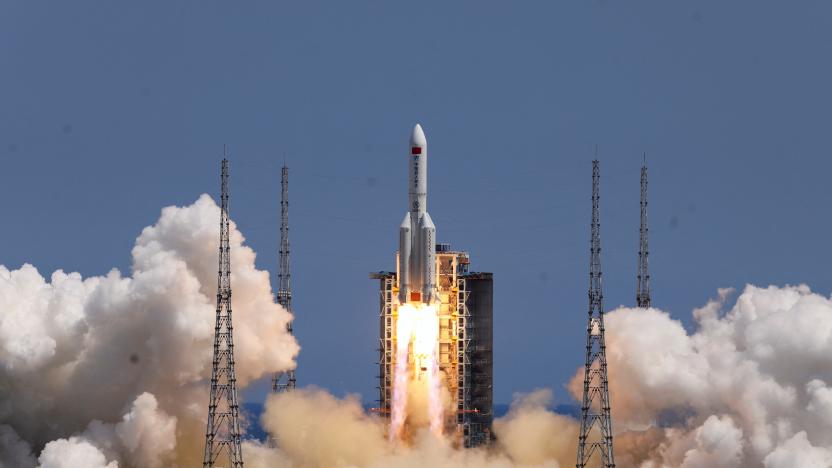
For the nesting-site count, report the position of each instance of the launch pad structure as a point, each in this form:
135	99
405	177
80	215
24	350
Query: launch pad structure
453	349
466	357
465	344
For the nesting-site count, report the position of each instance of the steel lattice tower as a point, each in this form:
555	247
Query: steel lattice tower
643	299
595	438
284	381
222	436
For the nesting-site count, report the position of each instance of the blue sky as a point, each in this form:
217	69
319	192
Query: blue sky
111	110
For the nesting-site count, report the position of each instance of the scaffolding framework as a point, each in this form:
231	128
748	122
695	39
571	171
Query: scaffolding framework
595	437
464	334
467	373
475	416
387	333
222	435
284	381
643	292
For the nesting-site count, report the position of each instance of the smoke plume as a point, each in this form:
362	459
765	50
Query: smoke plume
747	388
314	429
110	371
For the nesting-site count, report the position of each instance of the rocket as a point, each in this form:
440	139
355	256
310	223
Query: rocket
417	234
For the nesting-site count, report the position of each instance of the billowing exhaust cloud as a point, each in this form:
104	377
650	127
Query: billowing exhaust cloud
113	369
748	388
315	429
110	371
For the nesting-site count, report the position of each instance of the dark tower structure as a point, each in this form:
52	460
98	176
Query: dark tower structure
222	436
284	381
643	299
595	438
476	414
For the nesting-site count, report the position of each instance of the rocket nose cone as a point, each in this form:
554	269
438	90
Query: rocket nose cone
417	138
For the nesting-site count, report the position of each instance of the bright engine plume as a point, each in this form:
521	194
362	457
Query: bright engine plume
417	323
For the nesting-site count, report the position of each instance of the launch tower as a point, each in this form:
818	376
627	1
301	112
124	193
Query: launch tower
595	438
643	292
222	435
284	381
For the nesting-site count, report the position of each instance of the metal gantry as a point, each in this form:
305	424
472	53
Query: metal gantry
595	438
284	381
465	310
464	330
643	296
222	435
387	334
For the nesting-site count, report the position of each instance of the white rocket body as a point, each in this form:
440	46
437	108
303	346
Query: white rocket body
417	234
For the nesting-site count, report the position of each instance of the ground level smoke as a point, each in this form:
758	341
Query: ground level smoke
110	371
747	388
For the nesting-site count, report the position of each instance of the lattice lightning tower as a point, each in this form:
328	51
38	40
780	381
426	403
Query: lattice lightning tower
643	298
595	438
222	436
284	381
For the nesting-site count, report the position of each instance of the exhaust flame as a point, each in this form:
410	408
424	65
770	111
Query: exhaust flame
417	363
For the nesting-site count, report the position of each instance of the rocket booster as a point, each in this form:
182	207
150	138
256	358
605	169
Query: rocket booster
417	234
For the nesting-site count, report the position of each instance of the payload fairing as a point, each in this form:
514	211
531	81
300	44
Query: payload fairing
417	234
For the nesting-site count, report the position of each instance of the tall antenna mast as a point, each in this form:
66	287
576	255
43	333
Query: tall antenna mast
595	438
643	298
284	381
222	436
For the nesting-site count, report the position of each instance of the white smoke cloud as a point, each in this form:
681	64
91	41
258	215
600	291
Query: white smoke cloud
716	443
798	451
110	371
146	435
72	453
114	367
745	388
